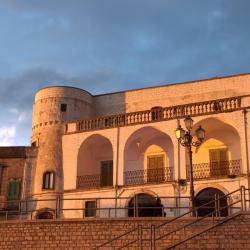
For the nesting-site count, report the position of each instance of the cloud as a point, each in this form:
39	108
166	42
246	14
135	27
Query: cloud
7	135
112	45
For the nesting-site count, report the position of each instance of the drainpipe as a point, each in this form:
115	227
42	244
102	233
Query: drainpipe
117	166
179	174
247	155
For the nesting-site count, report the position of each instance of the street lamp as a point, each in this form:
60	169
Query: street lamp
186	139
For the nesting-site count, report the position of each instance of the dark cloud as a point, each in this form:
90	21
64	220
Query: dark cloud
111	45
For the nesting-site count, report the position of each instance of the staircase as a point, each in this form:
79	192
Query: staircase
177	232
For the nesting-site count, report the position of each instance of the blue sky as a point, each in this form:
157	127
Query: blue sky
111	45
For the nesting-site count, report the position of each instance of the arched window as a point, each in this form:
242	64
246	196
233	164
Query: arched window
49	180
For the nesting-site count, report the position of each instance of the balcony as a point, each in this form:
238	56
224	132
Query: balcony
148	176
93	181
216	170
154	115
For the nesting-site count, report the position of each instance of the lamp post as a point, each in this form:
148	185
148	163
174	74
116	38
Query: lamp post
186	139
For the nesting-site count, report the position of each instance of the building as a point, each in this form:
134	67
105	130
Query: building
112	154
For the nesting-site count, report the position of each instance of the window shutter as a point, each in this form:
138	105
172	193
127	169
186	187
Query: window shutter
214	156
223	155
14	189
106	173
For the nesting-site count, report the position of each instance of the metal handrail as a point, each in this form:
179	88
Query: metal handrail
116	238
198	220
196	208
181	216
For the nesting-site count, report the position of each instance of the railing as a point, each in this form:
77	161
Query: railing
92	181
89	181
148	176
220	169
140	236
149	237
106	207
160	114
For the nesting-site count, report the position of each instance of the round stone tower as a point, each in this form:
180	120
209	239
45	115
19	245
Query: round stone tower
54	106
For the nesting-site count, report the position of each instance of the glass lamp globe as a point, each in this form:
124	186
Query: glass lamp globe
189	122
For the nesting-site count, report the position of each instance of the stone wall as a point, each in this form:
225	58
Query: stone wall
12	163
86	234
234	234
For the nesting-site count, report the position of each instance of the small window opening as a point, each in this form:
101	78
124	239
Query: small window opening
49	180
156	113
90	209
63	107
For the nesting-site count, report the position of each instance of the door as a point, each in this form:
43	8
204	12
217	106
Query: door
219	164
155	171
106	173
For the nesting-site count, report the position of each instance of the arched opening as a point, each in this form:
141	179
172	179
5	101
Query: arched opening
220	154
208	195
95	163
145	205
45	215
148	157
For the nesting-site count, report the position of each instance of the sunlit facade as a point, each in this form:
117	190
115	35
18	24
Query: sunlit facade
108	155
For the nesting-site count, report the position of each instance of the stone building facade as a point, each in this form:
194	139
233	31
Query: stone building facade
107	155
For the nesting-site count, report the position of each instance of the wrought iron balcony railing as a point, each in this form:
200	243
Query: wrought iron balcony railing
148	176
159	114
92	181
213	170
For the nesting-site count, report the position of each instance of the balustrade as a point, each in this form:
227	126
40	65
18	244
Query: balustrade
160	114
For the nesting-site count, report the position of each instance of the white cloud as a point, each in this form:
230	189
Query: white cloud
7	135
20	117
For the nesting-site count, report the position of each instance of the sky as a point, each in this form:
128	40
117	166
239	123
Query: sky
111	45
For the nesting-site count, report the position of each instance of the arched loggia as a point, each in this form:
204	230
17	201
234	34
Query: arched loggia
148	157
95	163
220	153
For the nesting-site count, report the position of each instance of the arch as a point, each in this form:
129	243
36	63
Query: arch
208	195
136	152
45	214
95	162
220	152
145	205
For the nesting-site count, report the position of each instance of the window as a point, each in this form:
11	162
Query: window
14	189
90	209
155	171
219	164
156	113
63	107
48	180
14	193
106	173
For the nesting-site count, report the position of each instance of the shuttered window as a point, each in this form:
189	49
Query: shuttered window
14	189
219	164
155	171
218	155
106	173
